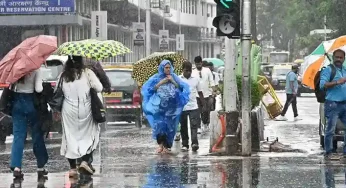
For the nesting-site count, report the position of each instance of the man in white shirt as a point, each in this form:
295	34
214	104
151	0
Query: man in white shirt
207	82
191	109
216	78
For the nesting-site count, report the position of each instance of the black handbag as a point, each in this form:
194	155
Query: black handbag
6	101
97	109
58	97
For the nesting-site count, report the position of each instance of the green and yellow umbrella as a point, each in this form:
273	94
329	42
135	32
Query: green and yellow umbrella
148	66
93	49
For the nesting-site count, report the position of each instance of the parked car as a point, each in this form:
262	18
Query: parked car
267	70
279	75
50	73
124	102
301	87
339	131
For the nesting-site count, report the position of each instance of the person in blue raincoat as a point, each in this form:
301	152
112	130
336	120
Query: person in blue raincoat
164	97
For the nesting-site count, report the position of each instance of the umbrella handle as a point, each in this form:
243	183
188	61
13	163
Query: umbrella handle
328	57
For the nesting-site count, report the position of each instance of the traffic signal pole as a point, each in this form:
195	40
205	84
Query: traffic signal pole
246	88
230	97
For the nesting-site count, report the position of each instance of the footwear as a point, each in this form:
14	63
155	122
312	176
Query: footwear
92	168
177	137
332	157
281	118
42	172
18	174
297	119
72	173
195	147
184	149
84	167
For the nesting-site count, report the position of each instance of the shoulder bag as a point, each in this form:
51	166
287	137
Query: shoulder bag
58	97
6	101
97	109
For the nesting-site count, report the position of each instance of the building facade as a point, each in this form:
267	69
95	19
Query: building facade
70	20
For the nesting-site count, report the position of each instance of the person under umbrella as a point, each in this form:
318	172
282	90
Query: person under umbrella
24	113
20	69
164	97
81	134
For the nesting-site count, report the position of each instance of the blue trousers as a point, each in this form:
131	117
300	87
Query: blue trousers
333	111
24	114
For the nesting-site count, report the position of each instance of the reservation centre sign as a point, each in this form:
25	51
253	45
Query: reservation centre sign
36	6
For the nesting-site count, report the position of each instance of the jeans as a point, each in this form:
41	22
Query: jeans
290	99
205	115
333	111
195	120
24	114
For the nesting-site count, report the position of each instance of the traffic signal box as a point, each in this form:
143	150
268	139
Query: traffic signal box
227	20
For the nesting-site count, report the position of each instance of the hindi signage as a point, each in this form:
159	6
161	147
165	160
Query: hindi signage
36	6
99	27
163	39
138	33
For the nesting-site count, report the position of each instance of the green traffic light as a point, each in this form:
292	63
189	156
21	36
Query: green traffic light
224	3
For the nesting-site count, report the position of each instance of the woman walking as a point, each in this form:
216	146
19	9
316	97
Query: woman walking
164	96
80	132
24	113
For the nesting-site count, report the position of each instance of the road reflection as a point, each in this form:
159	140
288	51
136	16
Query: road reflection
334	176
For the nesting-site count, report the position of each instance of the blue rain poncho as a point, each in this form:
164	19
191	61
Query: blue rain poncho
163	107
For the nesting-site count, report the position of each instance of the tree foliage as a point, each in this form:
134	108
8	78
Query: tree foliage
294	19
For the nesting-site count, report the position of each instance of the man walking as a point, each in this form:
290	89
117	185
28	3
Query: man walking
191	109
335	103
207	81
291	94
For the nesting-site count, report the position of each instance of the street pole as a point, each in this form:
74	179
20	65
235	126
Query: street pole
325	27
246	89
148	28
230	97
99	5
163	15
139	21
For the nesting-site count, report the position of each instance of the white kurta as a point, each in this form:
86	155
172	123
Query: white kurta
80	133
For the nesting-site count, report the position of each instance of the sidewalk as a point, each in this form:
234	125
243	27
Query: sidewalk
119	150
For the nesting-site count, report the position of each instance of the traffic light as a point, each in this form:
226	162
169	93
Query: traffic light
227	20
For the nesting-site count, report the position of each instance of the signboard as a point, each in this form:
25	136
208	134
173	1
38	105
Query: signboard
163	39
138	33
180	42
36	6
99	28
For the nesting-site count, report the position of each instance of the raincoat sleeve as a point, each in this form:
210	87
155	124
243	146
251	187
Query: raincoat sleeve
38	81
148	88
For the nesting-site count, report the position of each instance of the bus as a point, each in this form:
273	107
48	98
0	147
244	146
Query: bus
279	57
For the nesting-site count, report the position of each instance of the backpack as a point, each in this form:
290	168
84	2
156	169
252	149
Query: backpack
321	93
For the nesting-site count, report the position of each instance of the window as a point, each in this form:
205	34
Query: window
209	10
52	70
120	78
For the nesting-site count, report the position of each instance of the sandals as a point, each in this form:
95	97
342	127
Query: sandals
165	150
18	174
72	173
42	173
160	149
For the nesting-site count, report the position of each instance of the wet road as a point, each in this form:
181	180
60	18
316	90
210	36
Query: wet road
126	158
